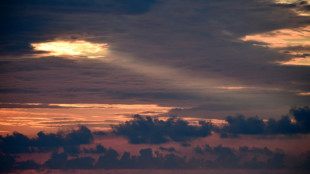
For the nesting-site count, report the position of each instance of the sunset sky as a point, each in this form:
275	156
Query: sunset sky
157	85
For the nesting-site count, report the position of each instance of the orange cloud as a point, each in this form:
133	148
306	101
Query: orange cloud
95	116
285	40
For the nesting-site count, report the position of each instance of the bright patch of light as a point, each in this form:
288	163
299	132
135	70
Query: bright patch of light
283	37
72	48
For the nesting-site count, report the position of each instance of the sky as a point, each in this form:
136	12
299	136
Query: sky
156	85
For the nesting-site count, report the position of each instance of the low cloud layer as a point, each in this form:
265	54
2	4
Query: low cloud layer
207	157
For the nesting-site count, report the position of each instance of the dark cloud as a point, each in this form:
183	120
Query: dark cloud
145	160
148	130
207	157
231	158
25	165
256	126
221	157
14	90
302	117
7	162
99	149
241	125
19	143
61	161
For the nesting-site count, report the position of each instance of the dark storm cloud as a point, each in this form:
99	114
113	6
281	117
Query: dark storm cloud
148	130
19	143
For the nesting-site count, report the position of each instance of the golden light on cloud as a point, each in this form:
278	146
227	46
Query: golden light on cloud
77	48
284	40
299	6
282	37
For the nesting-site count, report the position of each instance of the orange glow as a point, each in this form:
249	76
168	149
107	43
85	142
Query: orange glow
95	116
283	37
282	40
298	9
304	93
233	87
72	48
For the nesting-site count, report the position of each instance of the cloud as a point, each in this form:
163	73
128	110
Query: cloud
192	42
226	157
293	42
148	130
19	143
61	161
7	162
256	126
302	117
299	7
99	149
71	49
218	157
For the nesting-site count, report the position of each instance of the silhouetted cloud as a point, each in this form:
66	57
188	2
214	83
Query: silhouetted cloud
221	157
256	126
19	143
99	149
61	161
148	130
7	162
302	117
226	157
218	157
